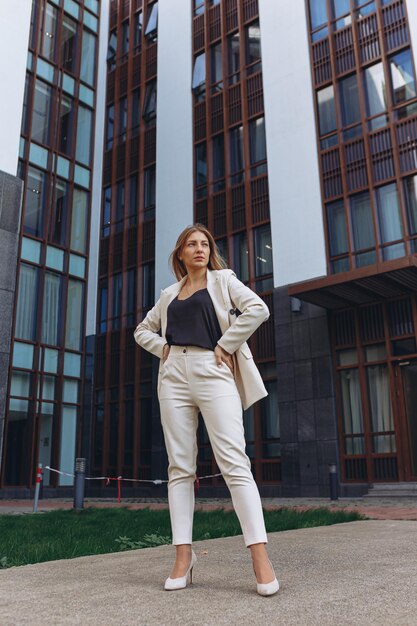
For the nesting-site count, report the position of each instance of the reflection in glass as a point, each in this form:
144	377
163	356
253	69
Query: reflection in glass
340	7
152	23
338	242
88	58
389	213
137	29
74	317
111	51
106	211
103	300
402	75
199	73
318	13
149	108
241	256
216	65
66	124
48	36
352	411
35	202
376	97
263	250
27	303
201	164
51	311
84	129
59	212
41	112
257	145
233	55
69	44
362	223
135	119
326	110
79	220
410	191
253	42
110	127
349	100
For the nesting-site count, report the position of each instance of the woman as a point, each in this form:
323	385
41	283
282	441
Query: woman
206	365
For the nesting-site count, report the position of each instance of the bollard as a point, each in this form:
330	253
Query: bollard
37	486
79	483
333	481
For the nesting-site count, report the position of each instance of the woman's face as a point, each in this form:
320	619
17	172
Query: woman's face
195	253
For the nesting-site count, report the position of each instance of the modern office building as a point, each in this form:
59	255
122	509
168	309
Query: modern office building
290	130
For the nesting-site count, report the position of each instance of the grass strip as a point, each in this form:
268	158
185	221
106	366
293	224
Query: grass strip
34	538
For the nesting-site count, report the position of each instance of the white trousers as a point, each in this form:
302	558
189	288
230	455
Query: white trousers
190	380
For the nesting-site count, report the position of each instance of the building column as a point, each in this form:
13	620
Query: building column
11	192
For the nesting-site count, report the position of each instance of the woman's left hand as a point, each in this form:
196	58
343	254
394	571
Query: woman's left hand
223	357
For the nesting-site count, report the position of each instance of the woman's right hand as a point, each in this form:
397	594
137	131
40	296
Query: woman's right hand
165	352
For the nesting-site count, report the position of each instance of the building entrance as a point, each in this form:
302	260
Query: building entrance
407	409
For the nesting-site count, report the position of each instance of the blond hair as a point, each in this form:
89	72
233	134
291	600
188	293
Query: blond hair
216	261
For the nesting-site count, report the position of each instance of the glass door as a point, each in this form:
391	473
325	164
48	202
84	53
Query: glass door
409	426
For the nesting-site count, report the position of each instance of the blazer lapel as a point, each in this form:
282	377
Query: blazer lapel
215	289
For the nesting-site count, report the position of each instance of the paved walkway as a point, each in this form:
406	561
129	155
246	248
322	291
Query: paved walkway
374	508
360	573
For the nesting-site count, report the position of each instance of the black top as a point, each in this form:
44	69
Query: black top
193	322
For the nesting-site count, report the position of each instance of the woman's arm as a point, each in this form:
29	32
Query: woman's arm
253	312
146	333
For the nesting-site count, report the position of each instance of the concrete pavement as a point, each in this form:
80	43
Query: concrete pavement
359	573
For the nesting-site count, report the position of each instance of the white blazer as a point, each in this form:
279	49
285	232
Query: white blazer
227	292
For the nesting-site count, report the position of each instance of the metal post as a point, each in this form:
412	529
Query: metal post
37	486
333	481
79	483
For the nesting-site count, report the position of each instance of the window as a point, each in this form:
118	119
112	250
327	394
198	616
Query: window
236	154
375	92
66	121
51	310
103	299
60	212
263	250
233	58
318	13
390	225
149	191
352	411
48	36
110	127
84	130
362	228
75	315
26	313
257	146
338	242
410	191
340	7
131	297
198	7
69	44
402	76
25	109
349	100
137	30
125	39
241	256
88	58
148	285
111	51
199	74
149	109
41	112
271	447
216	67
218	162
135	120
117	300
151	29
133	200
253	47
201	164
79	220
326	110
120	206
106	211
35	202
122	119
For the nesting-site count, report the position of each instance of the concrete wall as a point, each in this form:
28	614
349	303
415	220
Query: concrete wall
296	212
14	37
11	190
174	140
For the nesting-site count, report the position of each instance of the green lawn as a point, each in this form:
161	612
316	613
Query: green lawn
33	538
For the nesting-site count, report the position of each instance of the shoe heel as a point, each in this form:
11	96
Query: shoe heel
191	576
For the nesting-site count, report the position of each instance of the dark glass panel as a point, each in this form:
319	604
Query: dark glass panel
27	303
349	100
117	300
60	212
362	222
151	29
263	250
149	109
241	256
389	213
149	187
110	127
88	58
410	191
35	203
233	55
69	44
103	300
236	152
326	110
201	164
402	76
107	211
66	123
338	242
41	112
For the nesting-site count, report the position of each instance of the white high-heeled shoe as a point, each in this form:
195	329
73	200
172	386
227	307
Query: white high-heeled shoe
267	589
171	584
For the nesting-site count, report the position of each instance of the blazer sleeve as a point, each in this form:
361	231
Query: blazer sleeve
253	312
146	333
